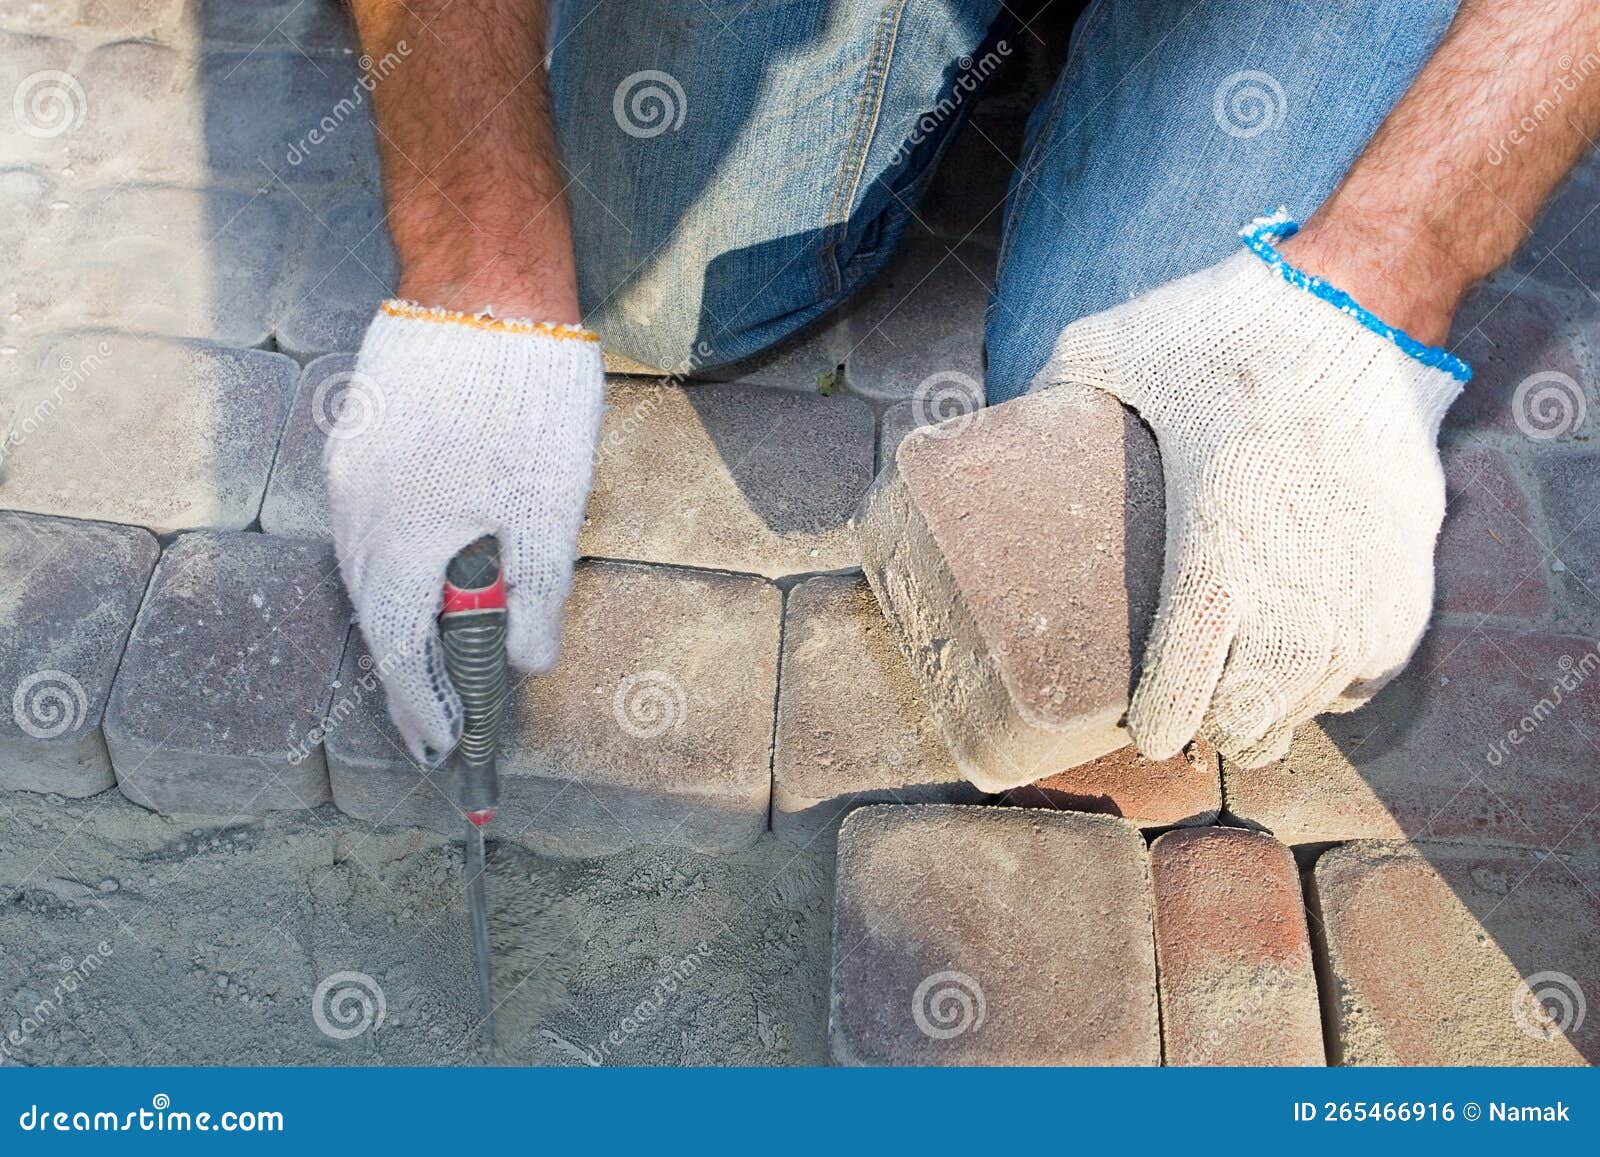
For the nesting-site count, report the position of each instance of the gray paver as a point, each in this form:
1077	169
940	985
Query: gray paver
1026	657
217	706
654	728
852	727
68	594
297	495
1570	487
162	434
918	327
44	106
728	477
344	267
979	935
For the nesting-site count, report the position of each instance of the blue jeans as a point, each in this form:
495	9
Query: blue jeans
738	168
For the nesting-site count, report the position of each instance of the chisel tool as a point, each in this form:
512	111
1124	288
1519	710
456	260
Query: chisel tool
472	626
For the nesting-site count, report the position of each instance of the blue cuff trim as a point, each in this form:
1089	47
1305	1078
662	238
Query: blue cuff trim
1258	237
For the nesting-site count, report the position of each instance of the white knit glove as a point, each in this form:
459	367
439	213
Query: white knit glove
459	426
1303	489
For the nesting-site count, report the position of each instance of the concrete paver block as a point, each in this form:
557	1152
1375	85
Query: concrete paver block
1451	955
303	24
297	494
728	477
1153	793
1025	656
852	727
1488	561
654	728
219	700
1510	330
45	102
162	434
801	362
146	108
344	267
92	21
1569	485
153	259
918	326
992	936
68	594
1488	737
1238	986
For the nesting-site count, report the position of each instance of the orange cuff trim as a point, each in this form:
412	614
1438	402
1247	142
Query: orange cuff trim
417	312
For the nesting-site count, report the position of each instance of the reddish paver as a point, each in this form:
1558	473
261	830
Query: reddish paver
1025	656
1489	735
1238	985
1488	561
991	936
1153	793
1450	955
852	727
655	727
1508	330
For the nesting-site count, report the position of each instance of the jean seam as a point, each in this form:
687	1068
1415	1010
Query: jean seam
868	106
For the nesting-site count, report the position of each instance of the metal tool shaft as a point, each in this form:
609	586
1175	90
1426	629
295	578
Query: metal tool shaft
472	628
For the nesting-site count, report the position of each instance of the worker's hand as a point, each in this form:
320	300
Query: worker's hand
1303	488
470	426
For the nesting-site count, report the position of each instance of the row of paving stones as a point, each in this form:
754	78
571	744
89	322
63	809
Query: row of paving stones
967	935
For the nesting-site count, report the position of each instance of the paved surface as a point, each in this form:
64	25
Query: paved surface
178	256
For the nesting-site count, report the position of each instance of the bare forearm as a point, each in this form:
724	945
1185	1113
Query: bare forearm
1449	186
472	181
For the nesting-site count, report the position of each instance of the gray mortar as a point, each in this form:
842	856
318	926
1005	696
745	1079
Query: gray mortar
219	934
